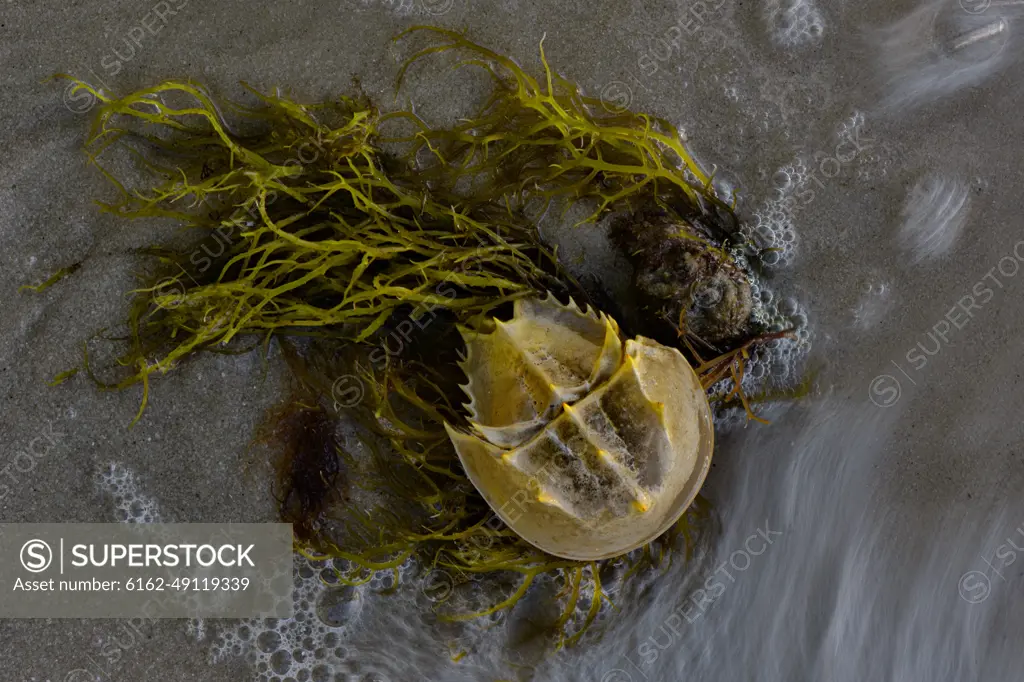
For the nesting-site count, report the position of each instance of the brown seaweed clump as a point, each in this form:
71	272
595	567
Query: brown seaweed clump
685	278
309	469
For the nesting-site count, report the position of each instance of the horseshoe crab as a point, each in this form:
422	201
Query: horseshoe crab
584	445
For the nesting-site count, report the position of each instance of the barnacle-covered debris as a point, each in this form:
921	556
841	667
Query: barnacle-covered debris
685	278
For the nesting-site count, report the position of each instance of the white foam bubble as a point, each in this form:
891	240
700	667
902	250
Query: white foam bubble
794	23
771	226
325	639
311	645
407	8
775	365
130	503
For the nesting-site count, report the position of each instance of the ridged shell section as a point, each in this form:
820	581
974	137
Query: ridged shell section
521	371
606	455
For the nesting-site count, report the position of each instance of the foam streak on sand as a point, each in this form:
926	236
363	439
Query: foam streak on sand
933	217
941	48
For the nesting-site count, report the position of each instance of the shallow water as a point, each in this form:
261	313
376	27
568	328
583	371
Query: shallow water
869	533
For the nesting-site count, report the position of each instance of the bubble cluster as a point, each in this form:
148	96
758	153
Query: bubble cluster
794	23
406	8
325	640
779	358
196	629
399	7
800	184
312	645
852	128
772	366
771	226
307	646
871	158
130	503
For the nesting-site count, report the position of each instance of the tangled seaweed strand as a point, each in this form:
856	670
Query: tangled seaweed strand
331	247
547	141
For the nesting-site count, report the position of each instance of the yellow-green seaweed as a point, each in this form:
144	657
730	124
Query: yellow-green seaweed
544	140
333	246
52	279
